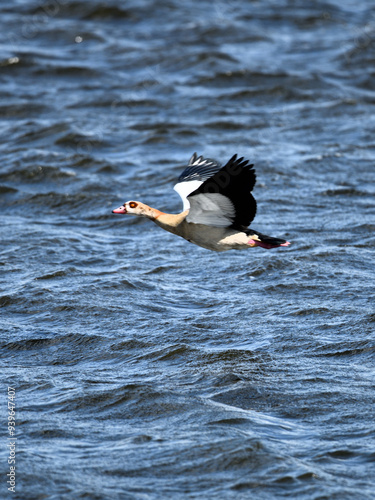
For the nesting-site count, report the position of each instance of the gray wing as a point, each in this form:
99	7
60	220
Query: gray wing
225	199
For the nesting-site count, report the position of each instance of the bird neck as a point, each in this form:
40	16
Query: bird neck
170	222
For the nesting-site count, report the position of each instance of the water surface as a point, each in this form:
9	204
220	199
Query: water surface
146	367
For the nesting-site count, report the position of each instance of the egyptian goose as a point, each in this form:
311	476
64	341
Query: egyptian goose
218	206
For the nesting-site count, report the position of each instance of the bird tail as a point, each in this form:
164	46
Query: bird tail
261	240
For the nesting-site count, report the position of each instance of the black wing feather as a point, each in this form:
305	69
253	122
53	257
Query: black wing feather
235	181
199	169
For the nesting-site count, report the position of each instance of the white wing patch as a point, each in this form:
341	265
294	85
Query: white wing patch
211	209
184	189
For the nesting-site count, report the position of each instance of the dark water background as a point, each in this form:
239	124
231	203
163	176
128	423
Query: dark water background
149	368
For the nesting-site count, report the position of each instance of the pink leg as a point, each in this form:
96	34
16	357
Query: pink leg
268	246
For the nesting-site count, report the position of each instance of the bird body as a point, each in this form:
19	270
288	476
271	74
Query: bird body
209	237
218	207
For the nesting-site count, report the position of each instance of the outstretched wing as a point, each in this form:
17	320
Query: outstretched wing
199	169
225	199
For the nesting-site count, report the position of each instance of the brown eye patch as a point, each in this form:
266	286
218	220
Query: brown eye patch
132	204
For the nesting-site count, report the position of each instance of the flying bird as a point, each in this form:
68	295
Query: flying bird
218	206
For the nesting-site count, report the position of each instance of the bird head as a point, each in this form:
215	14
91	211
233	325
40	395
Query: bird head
135	208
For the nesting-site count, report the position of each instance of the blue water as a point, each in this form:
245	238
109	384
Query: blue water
146	367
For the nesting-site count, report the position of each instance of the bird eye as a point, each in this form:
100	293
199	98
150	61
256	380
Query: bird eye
132	204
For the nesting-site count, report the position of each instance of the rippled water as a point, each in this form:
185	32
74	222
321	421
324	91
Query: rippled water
146	367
